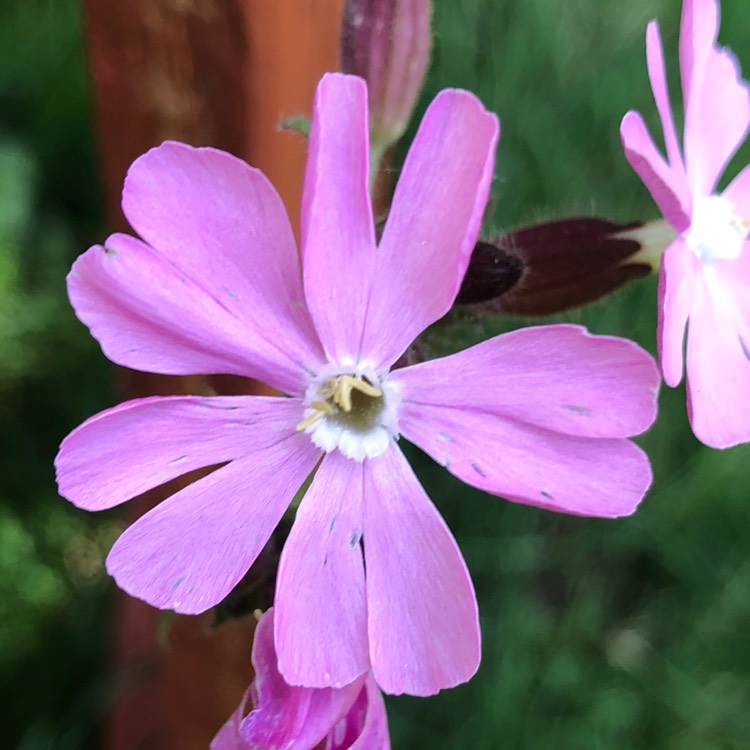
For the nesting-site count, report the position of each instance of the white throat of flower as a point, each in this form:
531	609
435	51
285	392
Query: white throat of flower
351	409
716	232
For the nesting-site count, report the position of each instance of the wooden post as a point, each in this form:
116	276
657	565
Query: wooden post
207	72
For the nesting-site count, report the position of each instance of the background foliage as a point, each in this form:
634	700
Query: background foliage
597	634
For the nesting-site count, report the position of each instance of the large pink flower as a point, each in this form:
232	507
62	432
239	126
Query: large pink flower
539	416
705	272
283	716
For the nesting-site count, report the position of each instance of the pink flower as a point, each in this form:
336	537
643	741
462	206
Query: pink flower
285	716
539	415
705	272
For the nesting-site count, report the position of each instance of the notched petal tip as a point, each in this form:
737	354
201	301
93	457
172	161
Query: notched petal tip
319	564
422	609
454	149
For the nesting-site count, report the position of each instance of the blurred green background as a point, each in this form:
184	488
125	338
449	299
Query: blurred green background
629	634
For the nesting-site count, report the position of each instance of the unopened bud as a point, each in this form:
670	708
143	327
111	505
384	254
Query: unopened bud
387	42
552	267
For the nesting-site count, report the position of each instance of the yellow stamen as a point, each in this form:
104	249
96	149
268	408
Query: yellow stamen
322	409
742	226
341	389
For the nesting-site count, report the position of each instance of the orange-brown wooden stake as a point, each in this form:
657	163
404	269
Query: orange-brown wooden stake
207	72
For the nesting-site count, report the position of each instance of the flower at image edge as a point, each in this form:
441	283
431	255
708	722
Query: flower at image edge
705	273
282	715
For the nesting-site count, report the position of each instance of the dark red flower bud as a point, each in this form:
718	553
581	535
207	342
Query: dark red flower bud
551	267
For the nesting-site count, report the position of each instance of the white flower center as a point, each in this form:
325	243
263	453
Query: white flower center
354	411
716	232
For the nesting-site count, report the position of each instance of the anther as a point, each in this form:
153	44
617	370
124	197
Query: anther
322	409
742	226
340	390
337	395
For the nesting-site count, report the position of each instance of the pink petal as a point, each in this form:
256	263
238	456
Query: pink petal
190	550
285	715
658	77
222	223
666	185
374	734
699	28
228	737
365	727
718	357
529	464
676	283
423	622
716	100
738	193
219	225
338	235
559	377
141	444
148	315
716	119
433	223
320	589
